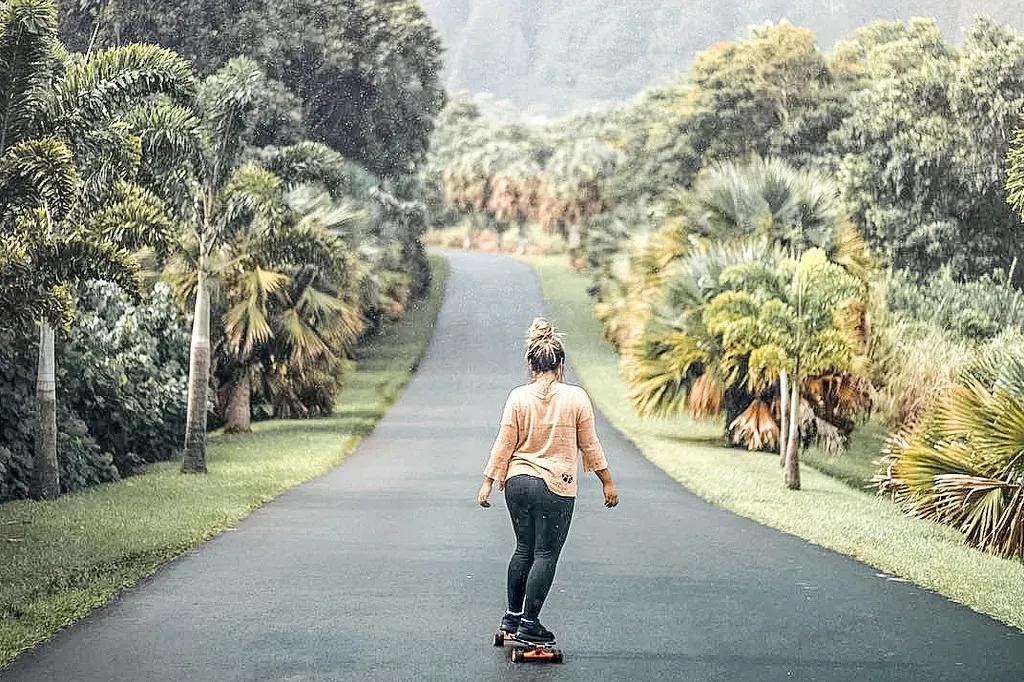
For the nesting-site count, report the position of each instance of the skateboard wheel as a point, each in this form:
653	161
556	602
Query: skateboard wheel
517	655
499	639
558	657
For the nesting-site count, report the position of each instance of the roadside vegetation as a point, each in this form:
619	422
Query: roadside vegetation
815	252
194	236
65	557
827	512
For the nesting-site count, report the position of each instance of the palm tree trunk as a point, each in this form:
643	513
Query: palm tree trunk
783	416
194	460
238	411
735	401
46	469
793	447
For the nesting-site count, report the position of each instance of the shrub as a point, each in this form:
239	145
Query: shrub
124	371
962	462
82	461
976	309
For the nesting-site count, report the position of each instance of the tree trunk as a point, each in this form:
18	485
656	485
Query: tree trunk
194	460
46	469
735	401
793	449
783	416
238	411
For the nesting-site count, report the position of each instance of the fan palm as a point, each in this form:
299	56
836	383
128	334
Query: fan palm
241	232
770	209
69	173
795	209
962	462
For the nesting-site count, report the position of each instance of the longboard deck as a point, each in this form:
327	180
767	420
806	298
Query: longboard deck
523	651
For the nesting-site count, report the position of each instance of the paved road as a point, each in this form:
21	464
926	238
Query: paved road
385	568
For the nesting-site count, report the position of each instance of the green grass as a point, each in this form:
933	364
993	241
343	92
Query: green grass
858	465
61	559
827	512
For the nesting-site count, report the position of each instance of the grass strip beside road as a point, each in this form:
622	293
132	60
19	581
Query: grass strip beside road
63	558
827	512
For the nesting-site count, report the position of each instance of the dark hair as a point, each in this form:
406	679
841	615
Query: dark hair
544	350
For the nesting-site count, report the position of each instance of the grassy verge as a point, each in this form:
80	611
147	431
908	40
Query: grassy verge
61	559
857	466
827	512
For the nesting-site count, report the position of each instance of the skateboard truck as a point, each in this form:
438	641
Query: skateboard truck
523	651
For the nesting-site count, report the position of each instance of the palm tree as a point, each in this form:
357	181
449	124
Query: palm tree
236	217
961	462
794	209
757	212
68	172
574	187
792	318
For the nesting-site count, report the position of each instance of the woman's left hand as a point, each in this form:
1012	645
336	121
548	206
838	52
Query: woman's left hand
484	493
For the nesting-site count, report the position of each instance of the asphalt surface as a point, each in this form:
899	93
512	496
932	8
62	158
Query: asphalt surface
386	568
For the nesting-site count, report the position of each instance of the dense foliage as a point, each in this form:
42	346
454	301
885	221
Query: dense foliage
121	391
277	182
365	71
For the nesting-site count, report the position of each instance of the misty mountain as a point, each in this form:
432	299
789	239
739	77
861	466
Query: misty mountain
556	56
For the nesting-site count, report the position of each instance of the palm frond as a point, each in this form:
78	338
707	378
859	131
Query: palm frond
28	43
109	83
39	173
134	218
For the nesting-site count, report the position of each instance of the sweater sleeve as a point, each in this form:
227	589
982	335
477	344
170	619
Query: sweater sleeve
506	443
586	436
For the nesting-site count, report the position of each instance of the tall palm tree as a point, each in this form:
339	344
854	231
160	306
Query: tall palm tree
236	198
69	164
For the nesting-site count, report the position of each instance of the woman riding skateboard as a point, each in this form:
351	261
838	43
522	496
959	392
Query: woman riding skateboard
545	424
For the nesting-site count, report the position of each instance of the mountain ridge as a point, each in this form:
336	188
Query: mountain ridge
556	57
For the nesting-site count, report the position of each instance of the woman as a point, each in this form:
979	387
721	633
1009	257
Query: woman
544	426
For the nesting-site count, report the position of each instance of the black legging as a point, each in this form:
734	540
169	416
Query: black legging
540	520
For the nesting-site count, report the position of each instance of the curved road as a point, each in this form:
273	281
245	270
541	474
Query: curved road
386	569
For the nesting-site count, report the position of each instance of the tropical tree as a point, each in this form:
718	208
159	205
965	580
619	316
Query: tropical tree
782	326
367	73
740	218
291	293
575	188
69	170
961	462
241	231
922	155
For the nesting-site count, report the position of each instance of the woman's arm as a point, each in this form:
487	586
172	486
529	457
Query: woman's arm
611	496
501	453
593	454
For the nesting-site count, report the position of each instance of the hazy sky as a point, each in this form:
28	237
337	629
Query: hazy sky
555	56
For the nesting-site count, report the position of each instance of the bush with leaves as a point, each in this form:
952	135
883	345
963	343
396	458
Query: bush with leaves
124	370
962	462
82	462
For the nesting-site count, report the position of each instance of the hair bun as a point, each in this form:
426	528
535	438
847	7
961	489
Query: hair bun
540	331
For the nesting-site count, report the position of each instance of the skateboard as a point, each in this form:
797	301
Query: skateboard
523	651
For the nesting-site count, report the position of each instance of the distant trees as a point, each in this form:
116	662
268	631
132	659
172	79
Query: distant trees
921	154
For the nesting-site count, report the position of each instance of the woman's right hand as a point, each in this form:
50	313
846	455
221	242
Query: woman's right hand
611	496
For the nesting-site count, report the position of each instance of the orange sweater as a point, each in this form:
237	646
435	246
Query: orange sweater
544	426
